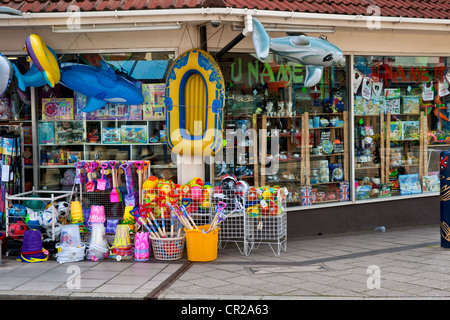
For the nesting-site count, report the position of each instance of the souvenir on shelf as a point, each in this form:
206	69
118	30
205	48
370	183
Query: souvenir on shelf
135	112
153	107
374	106
385	190
359	105
46	132
431	183
392	101
74	157
411	104
410	130
133	134
57	109
69	132
5	108
111	135
363	192
111	111
27	135
409	183
396	130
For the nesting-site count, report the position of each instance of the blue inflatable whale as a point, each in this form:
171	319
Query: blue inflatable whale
314	53
100	85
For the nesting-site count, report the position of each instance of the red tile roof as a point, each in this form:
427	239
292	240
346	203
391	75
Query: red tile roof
434	9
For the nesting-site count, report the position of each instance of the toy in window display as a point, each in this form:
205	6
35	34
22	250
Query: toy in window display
104	86
69	132
314	53
6	73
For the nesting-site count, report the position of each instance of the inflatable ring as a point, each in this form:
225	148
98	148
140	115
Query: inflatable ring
44	59
6	72
195	96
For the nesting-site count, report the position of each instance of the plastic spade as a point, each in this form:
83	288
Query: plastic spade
114	196
139	165
101	183
90	185
130	198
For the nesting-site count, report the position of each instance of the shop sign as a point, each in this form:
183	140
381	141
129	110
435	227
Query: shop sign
268	72
413	74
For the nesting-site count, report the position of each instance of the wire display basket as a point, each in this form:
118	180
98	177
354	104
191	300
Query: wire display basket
257	215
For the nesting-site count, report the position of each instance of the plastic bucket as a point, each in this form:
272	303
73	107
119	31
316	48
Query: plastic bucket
202	246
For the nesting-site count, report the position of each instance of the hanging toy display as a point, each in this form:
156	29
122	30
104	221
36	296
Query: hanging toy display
6	73
313	53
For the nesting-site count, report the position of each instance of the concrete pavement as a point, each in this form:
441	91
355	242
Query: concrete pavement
401	263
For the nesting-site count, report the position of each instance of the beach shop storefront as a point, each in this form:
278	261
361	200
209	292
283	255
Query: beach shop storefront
363	142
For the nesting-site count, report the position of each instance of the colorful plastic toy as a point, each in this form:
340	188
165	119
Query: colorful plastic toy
104	86
6	73
44	58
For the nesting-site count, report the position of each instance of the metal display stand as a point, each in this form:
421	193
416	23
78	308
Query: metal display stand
254	222
25	196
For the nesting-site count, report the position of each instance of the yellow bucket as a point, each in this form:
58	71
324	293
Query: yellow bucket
202	246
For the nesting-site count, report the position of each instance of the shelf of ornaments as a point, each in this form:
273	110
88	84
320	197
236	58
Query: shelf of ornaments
326	155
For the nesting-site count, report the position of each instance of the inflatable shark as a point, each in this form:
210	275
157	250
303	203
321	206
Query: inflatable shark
314	53
101	86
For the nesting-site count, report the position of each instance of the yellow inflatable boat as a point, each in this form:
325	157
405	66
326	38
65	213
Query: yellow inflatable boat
195	96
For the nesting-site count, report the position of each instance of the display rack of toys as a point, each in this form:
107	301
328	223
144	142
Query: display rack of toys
259	215
52	207
164	217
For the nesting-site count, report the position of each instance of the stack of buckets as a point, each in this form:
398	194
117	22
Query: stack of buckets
70	248
98	245
32	250
121	247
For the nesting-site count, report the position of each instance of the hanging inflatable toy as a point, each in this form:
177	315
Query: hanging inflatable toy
6	73
32	78
314	53
104	86
194	104
44	58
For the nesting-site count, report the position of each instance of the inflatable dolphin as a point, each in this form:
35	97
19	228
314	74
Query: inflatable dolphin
100	85
314	53
32	78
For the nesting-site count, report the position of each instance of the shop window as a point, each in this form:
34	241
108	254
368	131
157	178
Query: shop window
116	132
401	124
15	109
297	137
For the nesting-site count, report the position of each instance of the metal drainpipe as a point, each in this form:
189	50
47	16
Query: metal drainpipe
247	30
